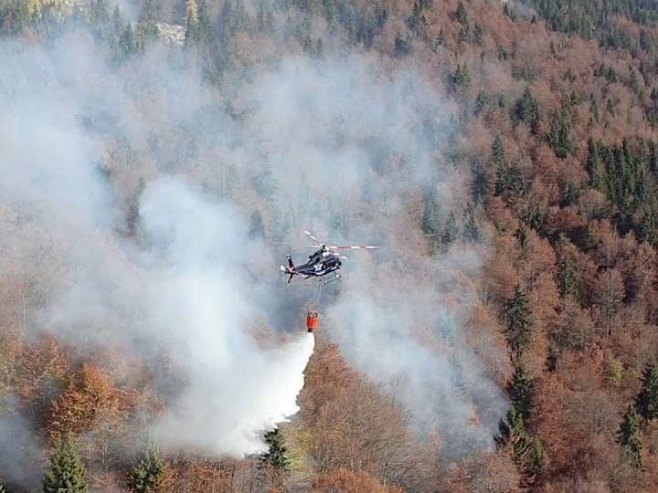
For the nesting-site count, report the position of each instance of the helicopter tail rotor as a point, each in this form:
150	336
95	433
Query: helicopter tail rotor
290	270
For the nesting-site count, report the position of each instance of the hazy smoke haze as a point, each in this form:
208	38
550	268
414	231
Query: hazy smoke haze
130	194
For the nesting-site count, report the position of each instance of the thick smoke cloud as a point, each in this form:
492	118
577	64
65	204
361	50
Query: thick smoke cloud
144	184
19	461
187	285
202	304
367	144
403	326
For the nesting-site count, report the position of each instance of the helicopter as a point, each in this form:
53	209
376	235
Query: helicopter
321	262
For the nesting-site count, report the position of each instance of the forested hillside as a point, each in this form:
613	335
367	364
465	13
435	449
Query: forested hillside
160	158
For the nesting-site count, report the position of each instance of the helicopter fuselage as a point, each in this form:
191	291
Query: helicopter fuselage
319	264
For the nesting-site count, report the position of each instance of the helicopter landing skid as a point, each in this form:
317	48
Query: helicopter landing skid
331	280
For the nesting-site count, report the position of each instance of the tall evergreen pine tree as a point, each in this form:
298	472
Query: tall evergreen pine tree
276	456
519	321
472	231
430	221
503	171
479	185
192	33
559	134
568	276
147	474
509	427
461	14
451	230
67	473
629	436
537	458
526	109
646	403
521	391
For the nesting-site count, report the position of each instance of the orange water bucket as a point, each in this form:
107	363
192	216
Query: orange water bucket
312	321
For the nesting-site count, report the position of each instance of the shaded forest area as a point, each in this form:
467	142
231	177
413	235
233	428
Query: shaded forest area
557	108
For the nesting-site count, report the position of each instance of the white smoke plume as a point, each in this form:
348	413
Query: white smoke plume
19	461
187	287
201	304
366	144
344	147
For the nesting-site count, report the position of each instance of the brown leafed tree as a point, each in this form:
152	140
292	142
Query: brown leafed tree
346	481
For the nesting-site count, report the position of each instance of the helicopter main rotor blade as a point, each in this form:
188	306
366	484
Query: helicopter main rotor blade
339	247
312	236
352	247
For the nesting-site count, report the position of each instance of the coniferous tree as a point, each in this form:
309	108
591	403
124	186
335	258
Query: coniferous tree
127	44
509	12
67	472
629	436
568	276
241	20
570	195
207	34
472	231
256	227
277	456
559	135
192	33
513	430
14	17
461	15
479	185
646	403
482	101
264	18
537	459
507	427
145	32
521	392
430	220
461	77
526	109
117	24
478	34
147	474
521	235
402	46
450	231
648	227
417	22
527	451
99	18
503	171
594	111
517	312
553	357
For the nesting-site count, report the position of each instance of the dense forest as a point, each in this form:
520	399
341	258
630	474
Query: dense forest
159	160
